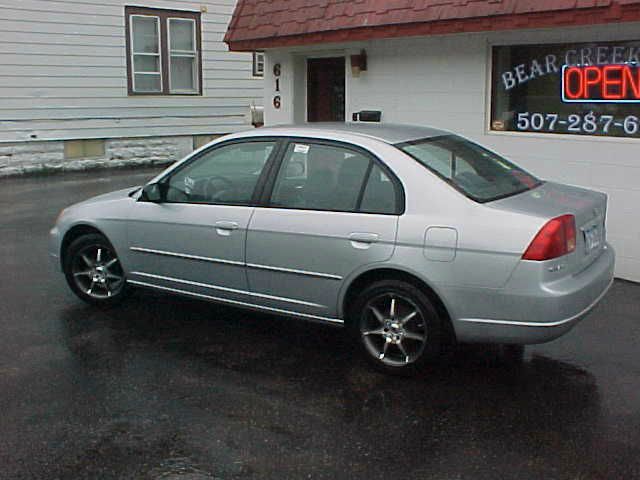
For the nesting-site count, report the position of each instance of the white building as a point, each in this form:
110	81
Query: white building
111	82
492	71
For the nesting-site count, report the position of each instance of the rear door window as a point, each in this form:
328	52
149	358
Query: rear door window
379	195
319	176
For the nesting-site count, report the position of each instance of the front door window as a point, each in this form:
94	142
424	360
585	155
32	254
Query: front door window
225	175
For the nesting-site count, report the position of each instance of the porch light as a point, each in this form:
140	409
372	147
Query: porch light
358	63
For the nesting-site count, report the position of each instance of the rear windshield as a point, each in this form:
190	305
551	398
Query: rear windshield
477	172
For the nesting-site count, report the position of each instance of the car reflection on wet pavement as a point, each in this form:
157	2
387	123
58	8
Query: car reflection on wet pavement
170	388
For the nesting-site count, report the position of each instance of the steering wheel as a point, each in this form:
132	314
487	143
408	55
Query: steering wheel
217	186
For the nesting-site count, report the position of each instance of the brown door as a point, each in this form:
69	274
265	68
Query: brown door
325	89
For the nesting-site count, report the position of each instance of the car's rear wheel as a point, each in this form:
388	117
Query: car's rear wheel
93	270
397	326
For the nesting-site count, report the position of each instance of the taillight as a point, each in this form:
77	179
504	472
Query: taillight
556	238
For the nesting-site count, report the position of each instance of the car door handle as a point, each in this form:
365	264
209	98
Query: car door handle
224	227
364	237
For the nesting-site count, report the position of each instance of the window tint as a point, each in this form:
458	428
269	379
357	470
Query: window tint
379	194
224	175
480	174
320	177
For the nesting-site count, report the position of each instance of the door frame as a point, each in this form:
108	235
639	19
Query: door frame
320	55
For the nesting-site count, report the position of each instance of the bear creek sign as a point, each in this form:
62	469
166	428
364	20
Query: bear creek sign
551	63
582	89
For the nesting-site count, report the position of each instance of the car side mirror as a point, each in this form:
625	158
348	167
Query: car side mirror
152	192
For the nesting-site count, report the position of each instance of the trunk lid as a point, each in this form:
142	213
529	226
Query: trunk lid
551	200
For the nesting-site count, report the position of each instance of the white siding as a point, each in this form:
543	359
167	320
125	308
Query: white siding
64	74
442	81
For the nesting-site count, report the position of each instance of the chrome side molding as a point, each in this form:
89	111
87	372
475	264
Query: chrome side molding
294	271
239	264
184	255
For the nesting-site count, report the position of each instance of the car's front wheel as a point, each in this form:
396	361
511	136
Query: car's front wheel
397	326
93	270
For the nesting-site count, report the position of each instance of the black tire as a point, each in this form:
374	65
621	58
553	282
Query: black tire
93	271
391	344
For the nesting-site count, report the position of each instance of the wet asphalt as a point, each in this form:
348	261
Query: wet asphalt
169	388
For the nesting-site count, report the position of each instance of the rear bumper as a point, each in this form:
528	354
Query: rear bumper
541	314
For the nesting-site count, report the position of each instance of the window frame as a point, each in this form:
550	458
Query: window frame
262	178
254	67
269	186
164	16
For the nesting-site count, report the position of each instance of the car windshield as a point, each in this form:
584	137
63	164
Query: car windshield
477	172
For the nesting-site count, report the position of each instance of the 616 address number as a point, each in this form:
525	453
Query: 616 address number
589	123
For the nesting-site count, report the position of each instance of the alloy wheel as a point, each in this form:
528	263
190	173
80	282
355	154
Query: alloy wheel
97	272
393	329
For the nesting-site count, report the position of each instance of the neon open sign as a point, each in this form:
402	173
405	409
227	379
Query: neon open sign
601	83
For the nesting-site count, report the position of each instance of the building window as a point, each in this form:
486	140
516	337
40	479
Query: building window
164	52
258	64
577	89
83	149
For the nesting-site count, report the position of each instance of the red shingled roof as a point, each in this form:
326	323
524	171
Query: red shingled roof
258	24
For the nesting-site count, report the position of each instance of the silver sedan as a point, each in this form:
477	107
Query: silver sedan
410	237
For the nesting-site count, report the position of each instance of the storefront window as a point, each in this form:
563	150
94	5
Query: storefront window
579	89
